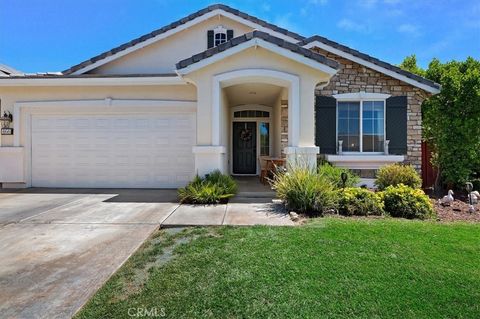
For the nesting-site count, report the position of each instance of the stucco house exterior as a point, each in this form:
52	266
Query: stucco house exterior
214	90
6	70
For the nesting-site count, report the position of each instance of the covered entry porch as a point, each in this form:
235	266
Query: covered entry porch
257	115
255	97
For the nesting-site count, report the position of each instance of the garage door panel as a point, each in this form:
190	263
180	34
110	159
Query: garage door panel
112	150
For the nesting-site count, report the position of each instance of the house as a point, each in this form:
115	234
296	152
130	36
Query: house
214	90
6	70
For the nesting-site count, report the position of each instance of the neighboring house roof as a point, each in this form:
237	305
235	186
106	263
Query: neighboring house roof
235	42
178	23
5	70
368	58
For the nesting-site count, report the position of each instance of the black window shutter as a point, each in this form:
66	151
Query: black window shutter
396	122
229	35
326	124
210	39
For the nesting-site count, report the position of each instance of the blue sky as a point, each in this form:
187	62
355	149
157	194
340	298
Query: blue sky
52	35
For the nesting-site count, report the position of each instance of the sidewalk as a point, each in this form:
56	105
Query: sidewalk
241	211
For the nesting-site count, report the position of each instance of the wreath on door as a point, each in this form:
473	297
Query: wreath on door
245	134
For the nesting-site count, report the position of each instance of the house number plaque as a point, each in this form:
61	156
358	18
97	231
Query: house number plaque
7	131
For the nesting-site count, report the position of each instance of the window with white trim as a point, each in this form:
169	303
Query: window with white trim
361	125
264	130
219	35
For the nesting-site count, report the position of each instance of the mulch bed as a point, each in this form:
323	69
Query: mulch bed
457	211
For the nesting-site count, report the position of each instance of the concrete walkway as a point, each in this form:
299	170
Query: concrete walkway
239	211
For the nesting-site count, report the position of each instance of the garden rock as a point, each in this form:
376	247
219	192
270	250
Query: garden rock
294	216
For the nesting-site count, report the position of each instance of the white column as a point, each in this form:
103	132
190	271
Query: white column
294	112
209	153
302	156
216	105
301	150
209	158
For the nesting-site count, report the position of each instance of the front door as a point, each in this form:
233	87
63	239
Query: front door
244	147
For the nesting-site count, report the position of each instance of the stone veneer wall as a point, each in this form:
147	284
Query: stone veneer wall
353	77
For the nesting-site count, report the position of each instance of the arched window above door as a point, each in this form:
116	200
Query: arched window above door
251	114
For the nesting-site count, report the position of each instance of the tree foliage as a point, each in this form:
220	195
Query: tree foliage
452	118
410	64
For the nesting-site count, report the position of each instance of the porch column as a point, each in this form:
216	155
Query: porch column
209	154
209	158
301	150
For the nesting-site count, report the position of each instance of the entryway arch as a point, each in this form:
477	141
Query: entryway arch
266	76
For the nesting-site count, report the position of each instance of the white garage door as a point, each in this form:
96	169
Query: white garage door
124	151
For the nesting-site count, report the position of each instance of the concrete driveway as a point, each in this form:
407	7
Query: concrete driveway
57	247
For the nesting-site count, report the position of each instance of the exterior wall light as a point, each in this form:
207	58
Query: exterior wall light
5	121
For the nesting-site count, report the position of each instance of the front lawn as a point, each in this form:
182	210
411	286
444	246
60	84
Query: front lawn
331	267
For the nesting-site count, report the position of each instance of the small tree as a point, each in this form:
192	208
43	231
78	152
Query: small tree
451	119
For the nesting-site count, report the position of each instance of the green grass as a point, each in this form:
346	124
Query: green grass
329	268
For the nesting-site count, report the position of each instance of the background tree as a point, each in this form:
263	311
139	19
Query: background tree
451	119
410	64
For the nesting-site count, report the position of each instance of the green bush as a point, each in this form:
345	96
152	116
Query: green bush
360	202
305	191
333	174
395	174
404	201
214	188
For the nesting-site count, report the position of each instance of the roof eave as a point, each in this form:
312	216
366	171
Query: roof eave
434	88
183	70
143	80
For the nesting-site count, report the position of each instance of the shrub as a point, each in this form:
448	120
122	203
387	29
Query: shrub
360	202
214	188
333	174
395	174
404	201
305	191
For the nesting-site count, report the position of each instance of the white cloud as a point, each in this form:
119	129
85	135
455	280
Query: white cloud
391	1
367	3
307	8
410	29
435	49
373	3
286	22
350	25
472	21
319	2
394	12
